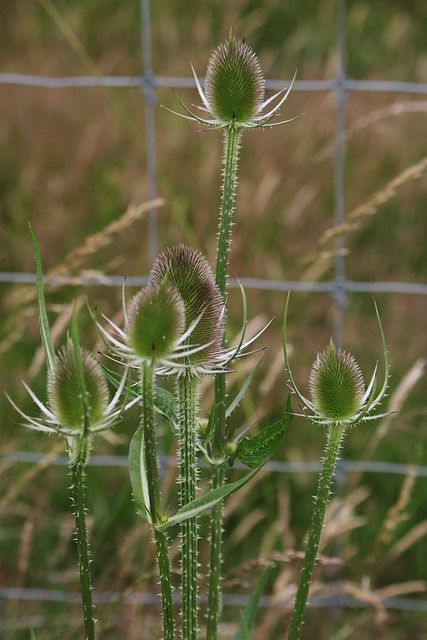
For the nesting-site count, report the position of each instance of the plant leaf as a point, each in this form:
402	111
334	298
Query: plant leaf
242	391
166	405
43	321
164	402
248	615
206	501
32	635
254	452
138	474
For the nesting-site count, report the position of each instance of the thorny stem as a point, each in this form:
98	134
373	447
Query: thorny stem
334	442
215	558
150	446
187	398
77	475
231	156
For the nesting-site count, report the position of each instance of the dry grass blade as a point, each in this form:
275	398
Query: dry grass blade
395	515
27	477
368	208
24	296
379	115
416	533
395	405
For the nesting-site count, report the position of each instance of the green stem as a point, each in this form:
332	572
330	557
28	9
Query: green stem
334	442
187	398
150	450
77	475
215	558
231	157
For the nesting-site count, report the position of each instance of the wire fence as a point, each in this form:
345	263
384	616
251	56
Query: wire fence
340	86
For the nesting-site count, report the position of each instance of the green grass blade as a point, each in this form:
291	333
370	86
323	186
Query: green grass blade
43	321
248	615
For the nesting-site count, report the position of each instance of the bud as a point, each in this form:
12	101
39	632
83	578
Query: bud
155	322
64	393
189	273
336	384
234	83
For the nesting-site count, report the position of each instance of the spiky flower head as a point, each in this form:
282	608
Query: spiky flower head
234	91
234	84
67	414
336	384
186	270
64	391
155	322
338	394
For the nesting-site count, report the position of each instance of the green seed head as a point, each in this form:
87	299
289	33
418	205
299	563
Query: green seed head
190	274
155	322
336	384
234	83
64	393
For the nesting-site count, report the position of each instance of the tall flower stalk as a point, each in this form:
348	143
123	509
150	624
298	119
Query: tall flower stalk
189	273
78	408
233	98
339	399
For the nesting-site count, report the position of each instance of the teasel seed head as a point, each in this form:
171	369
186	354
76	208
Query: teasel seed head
186	270
64	392
336	384
155	322
234	84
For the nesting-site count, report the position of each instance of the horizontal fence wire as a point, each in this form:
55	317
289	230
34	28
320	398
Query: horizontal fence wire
274	466
147	82
328	286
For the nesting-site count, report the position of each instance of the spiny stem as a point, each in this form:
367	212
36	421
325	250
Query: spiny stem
334	442
77	475
215	558
150	451
231	157
187	398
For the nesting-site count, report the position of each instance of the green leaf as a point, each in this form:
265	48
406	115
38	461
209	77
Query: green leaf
248	615
254	452
138	474
242	391
166	405
206	501
164	402
43	321
32	635
115	380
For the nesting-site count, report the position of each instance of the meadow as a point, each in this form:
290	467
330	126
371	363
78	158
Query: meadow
73	161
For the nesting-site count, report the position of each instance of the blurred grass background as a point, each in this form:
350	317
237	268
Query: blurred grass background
72	166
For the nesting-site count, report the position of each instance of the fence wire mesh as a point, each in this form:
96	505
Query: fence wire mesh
147	82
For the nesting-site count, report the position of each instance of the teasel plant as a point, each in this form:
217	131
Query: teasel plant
174	328
78	408
339	400
233	100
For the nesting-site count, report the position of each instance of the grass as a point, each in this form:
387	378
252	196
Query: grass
71	165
